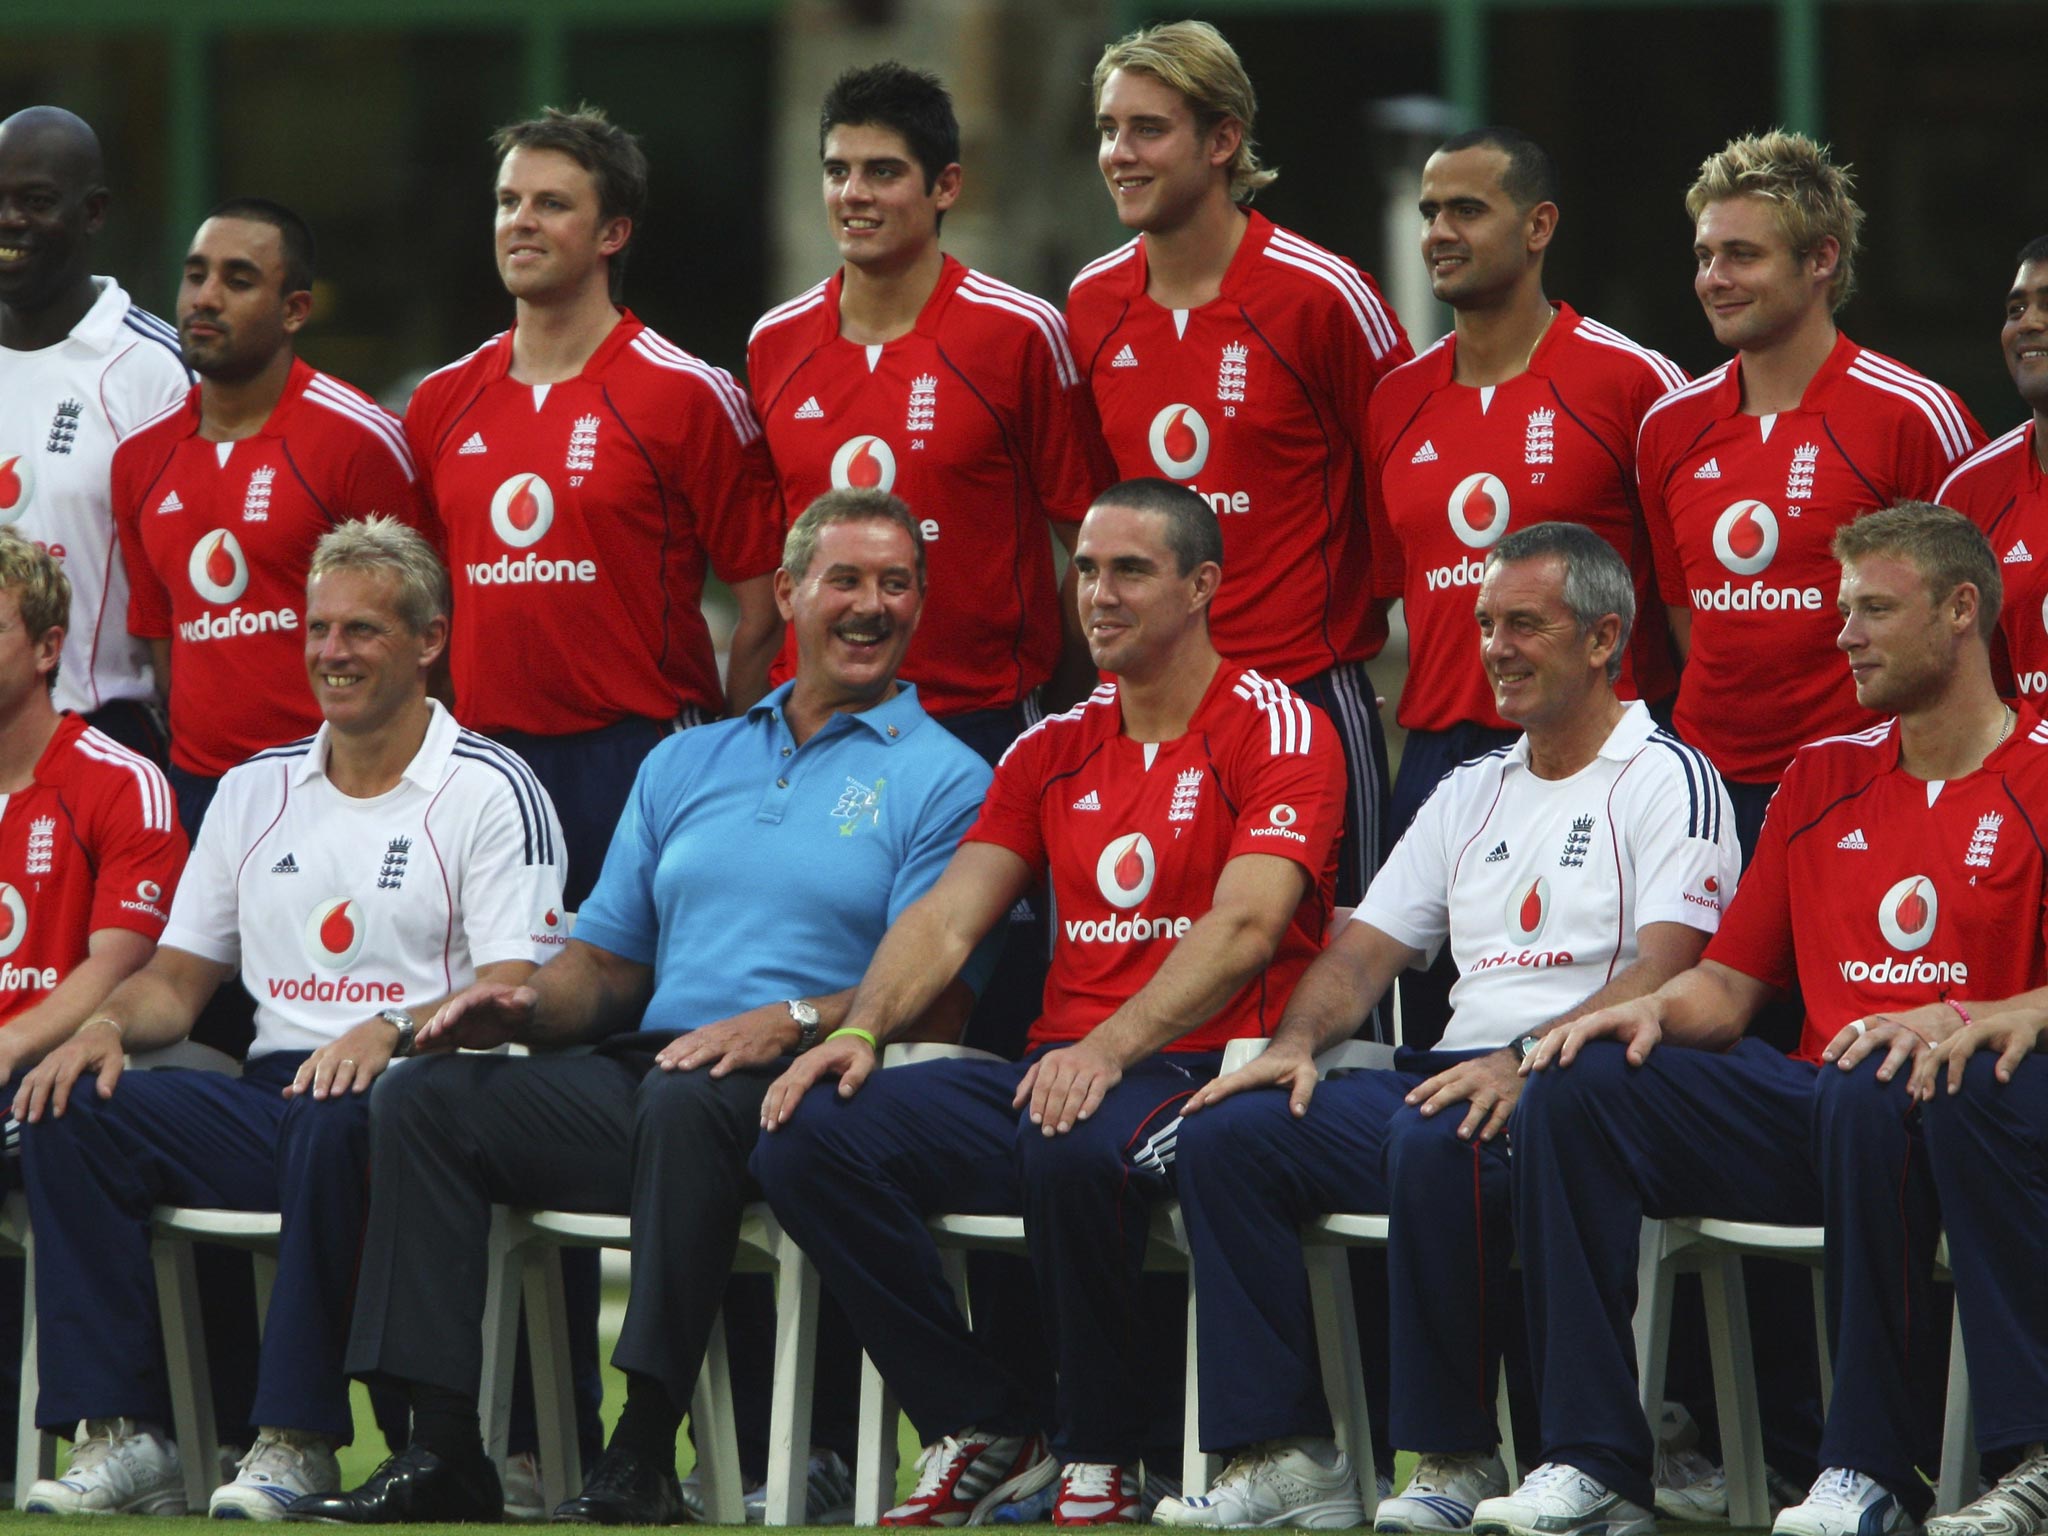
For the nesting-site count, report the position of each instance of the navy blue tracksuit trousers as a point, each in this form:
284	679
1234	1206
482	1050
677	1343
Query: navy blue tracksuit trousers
1250	1174
854	1179
1989	1145
1746	1135
194	1138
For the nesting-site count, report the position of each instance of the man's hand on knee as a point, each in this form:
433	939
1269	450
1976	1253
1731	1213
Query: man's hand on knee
1066	1086
1490	1084
749	1039
848	1058
347	1065
1274	1067
96	1048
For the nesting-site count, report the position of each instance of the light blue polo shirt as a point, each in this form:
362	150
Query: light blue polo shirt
747	869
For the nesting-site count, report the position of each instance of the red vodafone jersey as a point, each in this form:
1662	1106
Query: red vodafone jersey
216	547
2000	489
1258	401
1458	468
1136	836
1742	509
92	843
580	518
1898	902
979	419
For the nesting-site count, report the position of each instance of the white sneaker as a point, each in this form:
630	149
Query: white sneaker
523	1502
1443	1493
2017	1506
1272	1485
1689	1487
1845	1503
828	1493
1560	1500
118	1467
280	1466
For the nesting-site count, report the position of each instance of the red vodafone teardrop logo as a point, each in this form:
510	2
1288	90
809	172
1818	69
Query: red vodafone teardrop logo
17	486
522	511
13	920
1528	907
1478	511
1125	871
1179	440
1906	914
864	464
218	570
334	932
1746	537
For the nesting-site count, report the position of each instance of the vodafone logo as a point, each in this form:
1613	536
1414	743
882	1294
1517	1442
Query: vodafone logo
17	486
149	890
1125	871
218	570
334	932
522	510
1478	511
1746	537
1527	910
1907	912
864	464
1179	440
13	920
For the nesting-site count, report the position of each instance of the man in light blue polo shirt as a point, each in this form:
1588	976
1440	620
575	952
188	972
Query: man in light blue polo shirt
757	865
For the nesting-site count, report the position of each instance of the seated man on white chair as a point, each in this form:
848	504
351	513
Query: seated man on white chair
1901	886
1585	864
1187	814
355	877
758	863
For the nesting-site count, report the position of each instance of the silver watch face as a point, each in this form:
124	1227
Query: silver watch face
803	1012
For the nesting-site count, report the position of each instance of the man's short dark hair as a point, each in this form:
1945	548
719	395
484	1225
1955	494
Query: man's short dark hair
1944	546
847	504
908	101
1596	579
1192	532
1530	176
613	157
294	235
2035	249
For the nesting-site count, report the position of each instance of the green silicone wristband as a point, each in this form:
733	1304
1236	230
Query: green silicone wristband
873	1044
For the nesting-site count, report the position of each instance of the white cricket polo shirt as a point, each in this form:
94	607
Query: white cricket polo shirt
336	908
62	410
1542	884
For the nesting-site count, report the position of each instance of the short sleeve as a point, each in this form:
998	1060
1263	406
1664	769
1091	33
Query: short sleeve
206	913
138	853
1680	833
619	914
1009	813
1389	564
726	476
1931	441
1070	462
1409	900
511	880
1289	786
149	602
1755	936
1657	520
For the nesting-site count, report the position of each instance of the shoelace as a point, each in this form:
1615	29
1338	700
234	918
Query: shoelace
1095	1480
933	1465
1433	1473
271	1457
1838	1485
1549	1475
95	1442
1244	1466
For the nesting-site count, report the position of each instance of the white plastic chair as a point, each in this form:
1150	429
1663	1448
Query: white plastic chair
524	1260
35	1453
958	1235
1713	1249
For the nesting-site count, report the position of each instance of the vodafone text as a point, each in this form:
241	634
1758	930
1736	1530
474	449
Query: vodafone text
27	978
1534	958
1125	930
505	571
2033	682
1895	972
1224	502
224	626
1466	573
343	989
1755	597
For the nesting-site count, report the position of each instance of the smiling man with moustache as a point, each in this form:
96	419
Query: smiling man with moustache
758	863
1186	816
81	366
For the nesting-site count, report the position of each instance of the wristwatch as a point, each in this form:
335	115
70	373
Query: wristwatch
406	1026
807	1023
1526	1046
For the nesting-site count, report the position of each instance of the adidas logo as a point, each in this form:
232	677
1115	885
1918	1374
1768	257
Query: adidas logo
1499	854
1088	802
810	410
1711	470
170	504
474	445
285	866
1125	359
1854	841
2019	554
1426	454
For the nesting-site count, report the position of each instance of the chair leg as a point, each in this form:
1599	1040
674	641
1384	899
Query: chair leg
711	1421
1728	1342
501	1335
554	1379
1656	1274
1329	1290
874	1471
35	1453
1197	1469
1958	1483
184	1332
789	1422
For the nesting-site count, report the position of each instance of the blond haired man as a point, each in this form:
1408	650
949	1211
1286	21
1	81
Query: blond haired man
1746	473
